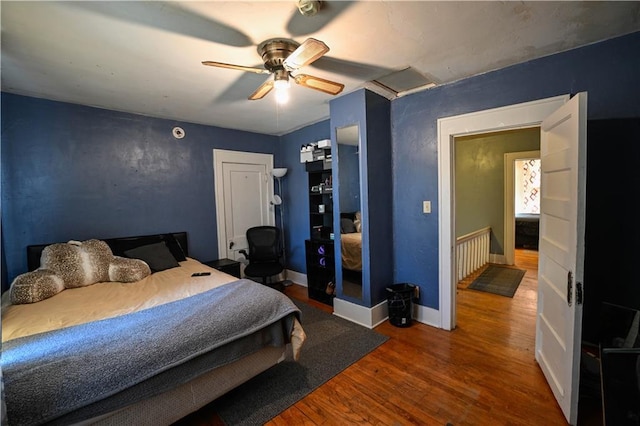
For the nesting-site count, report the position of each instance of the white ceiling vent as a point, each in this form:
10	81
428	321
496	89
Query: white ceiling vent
400	83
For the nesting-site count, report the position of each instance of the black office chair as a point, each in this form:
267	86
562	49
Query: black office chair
265	251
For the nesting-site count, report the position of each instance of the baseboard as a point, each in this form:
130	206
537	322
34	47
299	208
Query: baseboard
362	315
427	315
297	277
374	316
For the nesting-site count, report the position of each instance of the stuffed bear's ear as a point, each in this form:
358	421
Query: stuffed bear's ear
35	286
128	270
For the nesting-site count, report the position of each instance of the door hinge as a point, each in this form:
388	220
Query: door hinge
578	293
569	288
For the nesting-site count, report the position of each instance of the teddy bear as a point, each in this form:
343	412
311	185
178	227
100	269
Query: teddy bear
74	264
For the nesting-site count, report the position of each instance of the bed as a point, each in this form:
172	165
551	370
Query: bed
350	241
143	352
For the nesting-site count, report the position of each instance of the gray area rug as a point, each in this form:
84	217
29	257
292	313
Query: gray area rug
498	280
332	345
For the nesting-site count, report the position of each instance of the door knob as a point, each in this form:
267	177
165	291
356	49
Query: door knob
231	244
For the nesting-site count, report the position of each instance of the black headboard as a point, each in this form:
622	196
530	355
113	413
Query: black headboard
117	246
348	215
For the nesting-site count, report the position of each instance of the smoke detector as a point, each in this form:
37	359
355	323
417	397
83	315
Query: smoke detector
308	7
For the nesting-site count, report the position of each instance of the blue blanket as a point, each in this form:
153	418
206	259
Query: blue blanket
51	374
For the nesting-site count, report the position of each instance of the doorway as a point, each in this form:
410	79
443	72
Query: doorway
562	122
529	114
243	188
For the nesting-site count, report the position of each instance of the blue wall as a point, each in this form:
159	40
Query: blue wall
75	172
608	71
296	191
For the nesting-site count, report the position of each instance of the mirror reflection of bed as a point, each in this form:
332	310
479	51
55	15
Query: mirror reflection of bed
351	249
348	146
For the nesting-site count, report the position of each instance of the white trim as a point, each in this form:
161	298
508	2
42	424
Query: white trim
221	156
509	196
528	114
297	277
427	315
362	315
373	317
498	259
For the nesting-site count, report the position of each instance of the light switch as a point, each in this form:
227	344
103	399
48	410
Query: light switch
426	207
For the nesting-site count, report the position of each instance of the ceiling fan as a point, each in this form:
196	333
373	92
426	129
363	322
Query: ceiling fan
281	57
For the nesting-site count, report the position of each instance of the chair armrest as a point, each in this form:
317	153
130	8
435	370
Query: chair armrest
244	253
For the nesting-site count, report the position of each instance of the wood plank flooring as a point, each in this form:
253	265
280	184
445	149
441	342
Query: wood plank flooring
482	373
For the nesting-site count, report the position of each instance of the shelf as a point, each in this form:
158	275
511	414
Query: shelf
319	249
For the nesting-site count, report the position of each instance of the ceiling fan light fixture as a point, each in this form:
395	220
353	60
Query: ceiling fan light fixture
282	96
281	85
281	79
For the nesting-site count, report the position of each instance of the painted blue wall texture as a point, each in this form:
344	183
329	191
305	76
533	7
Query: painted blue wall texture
608	71
74	172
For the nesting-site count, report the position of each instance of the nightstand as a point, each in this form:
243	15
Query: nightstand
231	267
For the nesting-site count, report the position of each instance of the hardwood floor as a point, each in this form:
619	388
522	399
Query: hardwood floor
482	373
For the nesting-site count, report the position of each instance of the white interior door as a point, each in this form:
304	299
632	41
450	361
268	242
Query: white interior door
243	188
561	251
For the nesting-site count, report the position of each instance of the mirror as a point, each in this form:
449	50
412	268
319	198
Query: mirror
350	237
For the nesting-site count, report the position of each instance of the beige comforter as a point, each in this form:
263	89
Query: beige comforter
351	245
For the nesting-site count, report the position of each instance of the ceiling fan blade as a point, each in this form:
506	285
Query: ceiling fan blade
236	67
262	91
310	50
317	83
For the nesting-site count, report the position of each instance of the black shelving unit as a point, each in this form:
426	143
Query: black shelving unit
320	269
319	247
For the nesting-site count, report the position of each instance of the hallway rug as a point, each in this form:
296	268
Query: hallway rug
500	280
332	345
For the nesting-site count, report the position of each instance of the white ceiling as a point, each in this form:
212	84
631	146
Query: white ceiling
145	57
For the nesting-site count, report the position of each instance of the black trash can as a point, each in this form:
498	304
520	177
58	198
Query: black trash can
399	299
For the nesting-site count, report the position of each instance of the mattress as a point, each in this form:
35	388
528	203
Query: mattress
351	245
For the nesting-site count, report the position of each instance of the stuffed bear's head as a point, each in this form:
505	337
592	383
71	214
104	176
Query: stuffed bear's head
78	263
74	264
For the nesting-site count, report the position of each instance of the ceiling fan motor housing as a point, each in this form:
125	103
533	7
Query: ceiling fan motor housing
275	51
